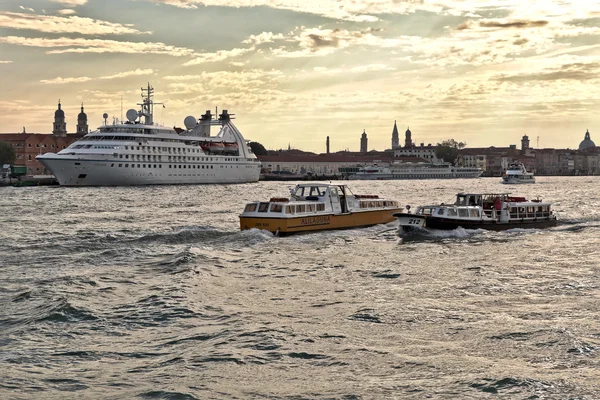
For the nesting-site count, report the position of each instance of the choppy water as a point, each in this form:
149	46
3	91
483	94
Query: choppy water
154	293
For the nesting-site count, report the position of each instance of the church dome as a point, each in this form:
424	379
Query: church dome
82	115
408	131
587	142
59	113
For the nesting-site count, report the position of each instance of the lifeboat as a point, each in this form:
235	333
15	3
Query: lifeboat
205	146
230	147
216	147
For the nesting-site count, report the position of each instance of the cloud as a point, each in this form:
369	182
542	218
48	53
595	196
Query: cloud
318	41
372	68
5	62
56	24
71	2
66	11
80	45
62	81
264	37
27	8
502	24
575	71
217	56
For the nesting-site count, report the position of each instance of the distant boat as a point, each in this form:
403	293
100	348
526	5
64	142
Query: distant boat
516	173
411	170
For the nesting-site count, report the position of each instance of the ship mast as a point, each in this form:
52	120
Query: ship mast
148	104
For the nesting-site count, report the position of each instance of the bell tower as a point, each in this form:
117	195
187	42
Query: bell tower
60	126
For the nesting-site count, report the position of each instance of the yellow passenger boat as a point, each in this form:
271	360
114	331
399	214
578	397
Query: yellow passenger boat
318	206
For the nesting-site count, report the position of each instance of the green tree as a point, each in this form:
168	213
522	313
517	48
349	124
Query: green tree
7	153
258	149
447	150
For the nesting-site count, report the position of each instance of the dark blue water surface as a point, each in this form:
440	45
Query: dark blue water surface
154	293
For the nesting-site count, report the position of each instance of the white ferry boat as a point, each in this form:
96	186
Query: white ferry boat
516	173
318	206
136	153
411	170
481	211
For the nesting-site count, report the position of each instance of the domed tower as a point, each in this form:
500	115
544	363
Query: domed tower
60	126
395	138
364	142
408	138
82	125
587	142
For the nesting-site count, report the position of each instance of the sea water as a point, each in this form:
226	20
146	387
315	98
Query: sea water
154	293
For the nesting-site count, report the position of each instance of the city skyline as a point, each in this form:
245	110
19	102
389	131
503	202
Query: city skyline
482	72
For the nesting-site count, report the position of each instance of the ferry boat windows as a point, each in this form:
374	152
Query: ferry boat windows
474	212
263	207
300	208
463	212
441	211
290	209
452	212
250	207
276	208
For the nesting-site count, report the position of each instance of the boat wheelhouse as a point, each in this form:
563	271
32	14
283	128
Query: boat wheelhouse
516	173
136	153
481	211
415	170
318	206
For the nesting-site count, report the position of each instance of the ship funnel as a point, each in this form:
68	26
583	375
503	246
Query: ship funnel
205	124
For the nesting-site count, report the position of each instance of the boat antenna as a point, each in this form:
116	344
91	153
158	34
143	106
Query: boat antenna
121	107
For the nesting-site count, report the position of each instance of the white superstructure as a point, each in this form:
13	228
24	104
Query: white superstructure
133	153
411	170
517	173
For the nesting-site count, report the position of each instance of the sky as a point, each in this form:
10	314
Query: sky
485	72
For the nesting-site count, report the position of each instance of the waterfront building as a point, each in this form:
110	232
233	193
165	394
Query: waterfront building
325	164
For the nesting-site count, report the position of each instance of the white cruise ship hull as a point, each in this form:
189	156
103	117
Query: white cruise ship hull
89	172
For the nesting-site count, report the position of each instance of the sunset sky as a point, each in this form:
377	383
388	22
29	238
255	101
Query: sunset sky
295	71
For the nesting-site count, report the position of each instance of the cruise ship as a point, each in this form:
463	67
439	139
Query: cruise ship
411	170
136	153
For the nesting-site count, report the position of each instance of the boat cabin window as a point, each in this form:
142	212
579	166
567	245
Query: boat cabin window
463	212
310	208
441	211
300	208
276	208
461	200
304	191
250	207
290	209
426	211
473	212
452	212
263	207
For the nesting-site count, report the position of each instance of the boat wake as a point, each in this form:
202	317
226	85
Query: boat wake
424	234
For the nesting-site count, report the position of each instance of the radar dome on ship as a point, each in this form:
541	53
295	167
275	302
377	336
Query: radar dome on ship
131	115
189	122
